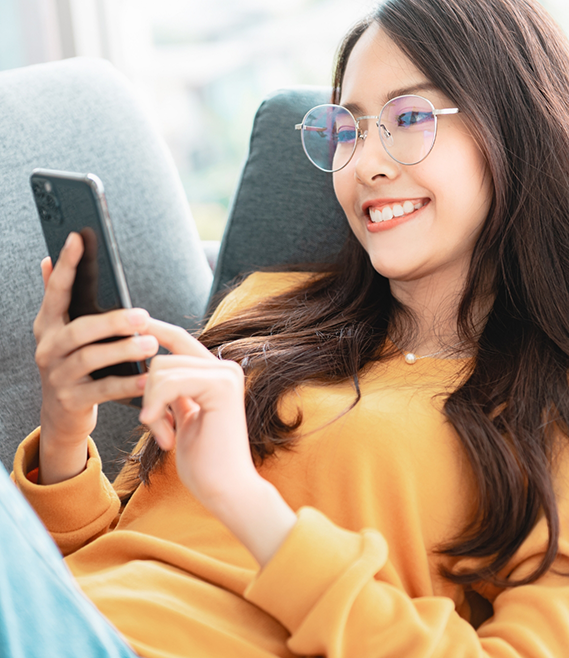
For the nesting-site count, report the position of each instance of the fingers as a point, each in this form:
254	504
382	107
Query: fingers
78	397
212	387
179	413
58	289
164	434
92	328
100	355
54	345
178	340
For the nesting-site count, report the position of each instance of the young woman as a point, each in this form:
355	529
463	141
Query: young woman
386	438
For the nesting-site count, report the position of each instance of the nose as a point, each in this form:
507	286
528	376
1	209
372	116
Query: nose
371	158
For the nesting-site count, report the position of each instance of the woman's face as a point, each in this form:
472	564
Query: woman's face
452	184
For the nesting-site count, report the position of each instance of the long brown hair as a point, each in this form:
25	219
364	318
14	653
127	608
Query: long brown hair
506	65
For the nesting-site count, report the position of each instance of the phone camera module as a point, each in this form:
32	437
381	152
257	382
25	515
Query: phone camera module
47	202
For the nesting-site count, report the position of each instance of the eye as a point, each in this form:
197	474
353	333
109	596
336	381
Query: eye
413	118
345	134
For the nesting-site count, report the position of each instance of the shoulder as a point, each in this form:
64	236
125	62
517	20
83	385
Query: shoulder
257	287
262	285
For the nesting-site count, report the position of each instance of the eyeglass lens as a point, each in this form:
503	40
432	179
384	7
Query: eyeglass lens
329	135
407	127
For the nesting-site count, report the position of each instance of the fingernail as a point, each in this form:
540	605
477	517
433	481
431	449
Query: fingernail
68	241
137	316
141	381
146	342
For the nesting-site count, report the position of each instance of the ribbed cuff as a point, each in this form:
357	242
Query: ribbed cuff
74	510
313	557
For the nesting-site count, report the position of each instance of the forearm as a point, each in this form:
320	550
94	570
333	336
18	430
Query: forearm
258	516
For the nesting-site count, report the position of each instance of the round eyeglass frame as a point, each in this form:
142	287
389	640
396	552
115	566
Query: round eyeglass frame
363	134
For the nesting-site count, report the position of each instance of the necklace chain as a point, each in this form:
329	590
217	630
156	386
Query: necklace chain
411	357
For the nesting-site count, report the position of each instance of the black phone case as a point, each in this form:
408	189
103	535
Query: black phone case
69	202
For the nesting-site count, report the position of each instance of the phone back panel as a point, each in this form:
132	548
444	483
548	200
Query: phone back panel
67	205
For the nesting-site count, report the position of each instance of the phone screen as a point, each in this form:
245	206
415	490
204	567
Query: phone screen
68	203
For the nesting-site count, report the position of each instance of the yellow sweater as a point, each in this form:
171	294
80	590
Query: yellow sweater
376	490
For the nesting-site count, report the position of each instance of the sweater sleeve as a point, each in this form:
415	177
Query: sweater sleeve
74	511
324	586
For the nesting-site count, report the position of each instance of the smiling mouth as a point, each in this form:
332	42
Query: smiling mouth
395	210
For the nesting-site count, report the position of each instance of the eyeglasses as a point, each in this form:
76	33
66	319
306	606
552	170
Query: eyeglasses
407	129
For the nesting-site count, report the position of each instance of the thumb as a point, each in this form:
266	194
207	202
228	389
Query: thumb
184	410
46	270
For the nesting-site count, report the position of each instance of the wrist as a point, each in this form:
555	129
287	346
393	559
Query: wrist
258	516
59	462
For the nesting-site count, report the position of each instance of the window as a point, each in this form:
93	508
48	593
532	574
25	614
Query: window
201	68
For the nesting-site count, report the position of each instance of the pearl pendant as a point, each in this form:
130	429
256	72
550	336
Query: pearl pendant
410	358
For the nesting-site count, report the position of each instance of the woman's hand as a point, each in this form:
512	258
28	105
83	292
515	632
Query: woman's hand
65	356
195	403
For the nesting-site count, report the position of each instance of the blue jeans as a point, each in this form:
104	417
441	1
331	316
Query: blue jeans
43	613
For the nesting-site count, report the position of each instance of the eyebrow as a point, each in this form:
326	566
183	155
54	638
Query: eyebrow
356	109
422	86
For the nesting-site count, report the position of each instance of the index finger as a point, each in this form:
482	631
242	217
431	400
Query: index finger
176	340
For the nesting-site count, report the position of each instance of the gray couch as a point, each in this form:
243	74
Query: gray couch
81	115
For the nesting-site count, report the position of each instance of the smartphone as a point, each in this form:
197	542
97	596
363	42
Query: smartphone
70	202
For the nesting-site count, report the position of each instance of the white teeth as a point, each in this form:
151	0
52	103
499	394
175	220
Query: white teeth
398	210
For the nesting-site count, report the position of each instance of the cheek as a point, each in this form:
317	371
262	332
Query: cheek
464	166
462	184
345	190
341	186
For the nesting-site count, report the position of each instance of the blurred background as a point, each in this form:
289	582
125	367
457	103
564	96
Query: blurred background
201	67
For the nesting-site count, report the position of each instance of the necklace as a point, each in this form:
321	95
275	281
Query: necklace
411	357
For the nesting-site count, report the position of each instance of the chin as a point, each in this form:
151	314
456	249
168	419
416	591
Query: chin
391	269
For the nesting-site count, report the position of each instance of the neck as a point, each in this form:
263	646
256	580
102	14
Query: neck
433	302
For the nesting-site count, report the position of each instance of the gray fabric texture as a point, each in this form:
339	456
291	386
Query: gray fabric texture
82	115
284	210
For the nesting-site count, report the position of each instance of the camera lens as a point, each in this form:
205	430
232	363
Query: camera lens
50	202
47	215
47	202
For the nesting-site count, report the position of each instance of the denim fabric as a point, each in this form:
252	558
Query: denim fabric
43	613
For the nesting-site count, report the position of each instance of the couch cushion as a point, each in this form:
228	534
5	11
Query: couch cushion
82	115
284	210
